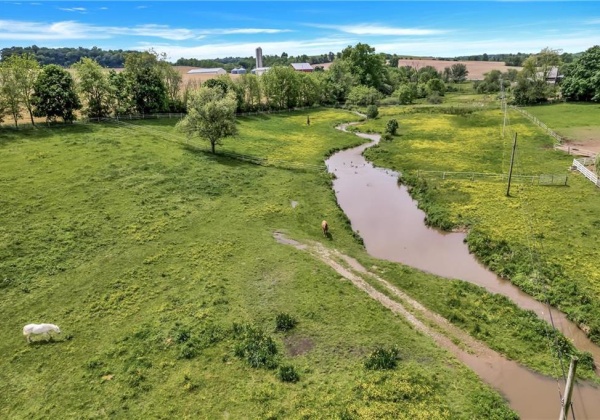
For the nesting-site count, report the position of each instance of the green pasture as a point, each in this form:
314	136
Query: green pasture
544	238
575	121
151	254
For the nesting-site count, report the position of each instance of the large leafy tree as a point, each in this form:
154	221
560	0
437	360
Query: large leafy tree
251	91
21	74
54	94
368	67
148	90
337	82
582	82
281	87
210	115
94	88
121	100
10	96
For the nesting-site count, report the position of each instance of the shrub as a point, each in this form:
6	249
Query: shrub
372	111
284	322
387	137
381	359
406	94
434	98
392	127
257	348
287	373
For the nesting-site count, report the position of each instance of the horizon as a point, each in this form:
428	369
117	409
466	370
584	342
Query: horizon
210	30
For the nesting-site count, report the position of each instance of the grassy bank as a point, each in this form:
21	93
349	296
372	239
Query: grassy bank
156	260
542	238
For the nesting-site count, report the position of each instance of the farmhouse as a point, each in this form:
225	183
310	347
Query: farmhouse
217	70
303	67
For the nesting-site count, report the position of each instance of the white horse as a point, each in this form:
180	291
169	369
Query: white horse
30	329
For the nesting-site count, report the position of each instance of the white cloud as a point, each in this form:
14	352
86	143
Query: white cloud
141	7
593	22
309	47
64	30
104	8
72	9
370	29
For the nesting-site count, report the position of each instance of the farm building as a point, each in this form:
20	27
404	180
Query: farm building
554	76
260	70
239	71
304	67
208	71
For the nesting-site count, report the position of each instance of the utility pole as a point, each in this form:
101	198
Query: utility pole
512	160
569	389
505	108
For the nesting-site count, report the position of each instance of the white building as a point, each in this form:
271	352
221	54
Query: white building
217	70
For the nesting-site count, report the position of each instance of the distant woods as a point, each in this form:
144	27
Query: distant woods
66	57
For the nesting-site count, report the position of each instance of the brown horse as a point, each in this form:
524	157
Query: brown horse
325	227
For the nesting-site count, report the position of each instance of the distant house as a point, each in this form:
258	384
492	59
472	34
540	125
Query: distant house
218	70
554	77
260	70
241	70
304	67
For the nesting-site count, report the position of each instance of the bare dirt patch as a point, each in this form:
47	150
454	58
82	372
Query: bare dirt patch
296	345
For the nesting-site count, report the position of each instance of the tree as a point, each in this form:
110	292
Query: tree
309	89
372	111
10	98
121	100
458	72
23	71
94	88
337	82
406	94
211	115
148	90
250	88
392	127
172	80
363	95
280	86
54	94
582	82
436	86
368	67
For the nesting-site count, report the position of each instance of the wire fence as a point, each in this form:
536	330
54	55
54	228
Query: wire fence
543	179
559	140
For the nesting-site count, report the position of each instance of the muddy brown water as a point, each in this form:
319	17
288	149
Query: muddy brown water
393	228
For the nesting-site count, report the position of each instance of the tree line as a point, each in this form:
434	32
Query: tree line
66	57
358	76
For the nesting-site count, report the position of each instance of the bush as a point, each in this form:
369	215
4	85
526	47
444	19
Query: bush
287	373
434	98
387	137
406	94
389	101
372	111
257	348
381	359
392	127
284	322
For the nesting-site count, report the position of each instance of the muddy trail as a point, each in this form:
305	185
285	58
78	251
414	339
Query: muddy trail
531	395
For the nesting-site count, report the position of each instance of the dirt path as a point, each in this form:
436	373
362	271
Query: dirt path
530	394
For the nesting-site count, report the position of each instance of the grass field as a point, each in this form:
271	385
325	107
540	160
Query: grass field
151	256
579	123
543	238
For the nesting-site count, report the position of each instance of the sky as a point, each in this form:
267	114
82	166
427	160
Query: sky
205	30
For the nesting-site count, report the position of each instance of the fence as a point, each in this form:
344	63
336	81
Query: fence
544	179
559	139
580	165
180	115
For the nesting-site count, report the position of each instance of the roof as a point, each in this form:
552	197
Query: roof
553	73
213	70
302	66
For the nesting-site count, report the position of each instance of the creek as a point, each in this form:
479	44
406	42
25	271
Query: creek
393	228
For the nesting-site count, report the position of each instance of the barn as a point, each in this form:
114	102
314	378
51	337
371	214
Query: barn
303	67
217	70
241	70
